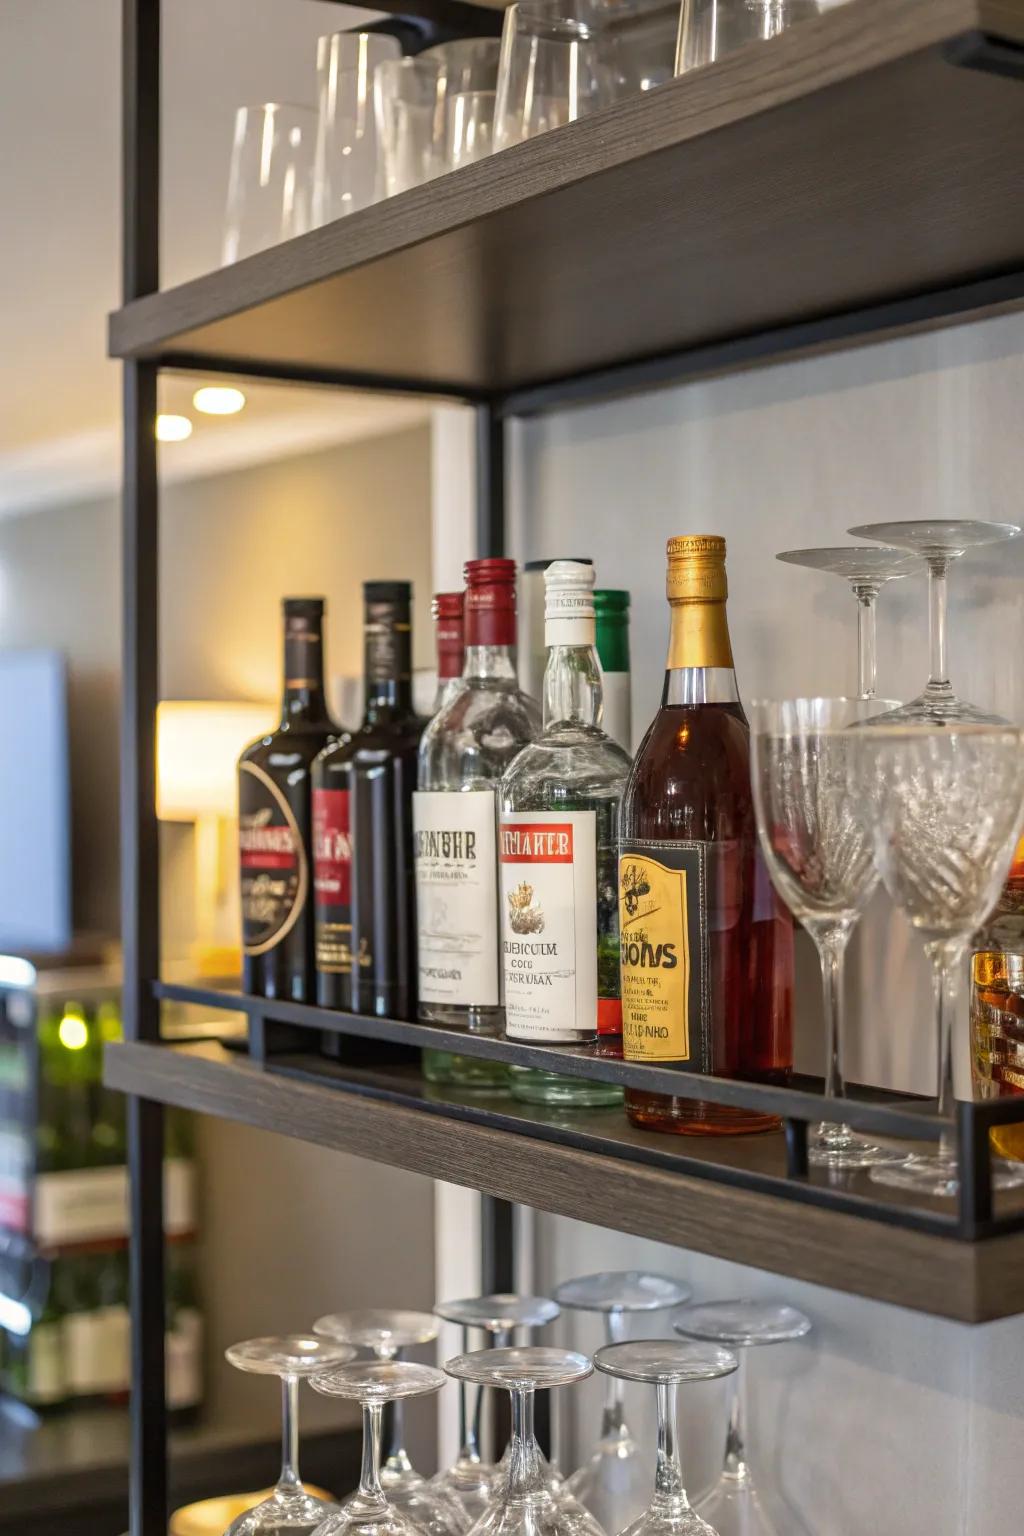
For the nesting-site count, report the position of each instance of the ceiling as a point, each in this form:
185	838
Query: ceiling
59	262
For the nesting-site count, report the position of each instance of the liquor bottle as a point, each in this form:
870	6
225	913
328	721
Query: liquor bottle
447	611
464	752
558	850
109	1132
533	651
611	607
274	819
362	828
707	958
997	1006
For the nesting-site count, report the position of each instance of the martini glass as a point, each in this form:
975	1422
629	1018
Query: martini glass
666	1364
939	542
613	1482
867	569
524	1503
386	1333
472	1480
732	1506
371	1510
290	1510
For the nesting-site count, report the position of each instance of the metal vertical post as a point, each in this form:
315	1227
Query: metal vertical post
140	909
490	481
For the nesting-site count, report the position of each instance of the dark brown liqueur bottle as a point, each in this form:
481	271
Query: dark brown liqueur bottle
362	829
274	819
706	947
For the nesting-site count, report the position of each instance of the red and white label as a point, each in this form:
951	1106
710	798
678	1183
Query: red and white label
332	848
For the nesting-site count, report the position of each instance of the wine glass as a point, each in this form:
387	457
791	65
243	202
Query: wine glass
942	807
471	1480
613	1481
371	1510
290	1510
733	1506
666	1363
939	542
818	854
867	569
386	1333
524	1503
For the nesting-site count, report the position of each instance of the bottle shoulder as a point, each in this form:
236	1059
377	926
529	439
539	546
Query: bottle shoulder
286	747
373	743
566	765
476	734
691	776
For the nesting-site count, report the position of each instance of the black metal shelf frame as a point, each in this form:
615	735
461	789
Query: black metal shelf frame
424	20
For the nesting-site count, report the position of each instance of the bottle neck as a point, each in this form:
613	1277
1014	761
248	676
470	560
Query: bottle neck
304	699
387	662
613	644
699	669
572	686
490	663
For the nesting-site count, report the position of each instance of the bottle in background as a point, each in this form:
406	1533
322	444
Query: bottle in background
533	651
611	607
463	754
706	949
558	854
997	1006
274	819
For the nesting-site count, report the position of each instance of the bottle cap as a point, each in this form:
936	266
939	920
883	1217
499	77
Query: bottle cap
446	609
303	607
490	602
387	592
611	604
569	603
696	569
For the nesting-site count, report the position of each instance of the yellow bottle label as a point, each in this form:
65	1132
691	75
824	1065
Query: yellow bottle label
662	922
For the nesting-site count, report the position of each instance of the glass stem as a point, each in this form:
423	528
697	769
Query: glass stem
735	1464
831	940
469	1425
289	1478
938	680
524	1464
947	958
867	666
612	1416
369	1472
395	1457
669	1491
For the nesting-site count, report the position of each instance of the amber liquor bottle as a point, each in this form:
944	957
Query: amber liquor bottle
274	820
706	949
362	828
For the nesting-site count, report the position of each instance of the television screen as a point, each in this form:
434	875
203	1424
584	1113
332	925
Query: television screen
35	810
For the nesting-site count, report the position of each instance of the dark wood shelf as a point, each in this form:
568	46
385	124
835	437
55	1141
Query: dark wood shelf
725	1196
859	174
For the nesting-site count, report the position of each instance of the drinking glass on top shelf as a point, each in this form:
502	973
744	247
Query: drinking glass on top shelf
408	97
270	183
938	541
867	569
551	70
613	1481
290	1510
468	127
710	30
345	166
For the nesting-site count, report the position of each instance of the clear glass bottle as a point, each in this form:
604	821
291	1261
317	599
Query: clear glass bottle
447	611
558	851
464	752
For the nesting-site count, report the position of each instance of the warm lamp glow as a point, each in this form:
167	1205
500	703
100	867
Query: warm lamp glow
197	750
171	428
218	400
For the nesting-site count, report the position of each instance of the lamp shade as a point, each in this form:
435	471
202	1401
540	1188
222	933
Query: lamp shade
198	743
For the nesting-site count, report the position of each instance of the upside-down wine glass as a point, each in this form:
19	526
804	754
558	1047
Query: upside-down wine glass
666	1364
371	1510
290	1510
524	1503
733	1506
818	854
942	806
938	542
613	1481
867	568
471	1480
387	1333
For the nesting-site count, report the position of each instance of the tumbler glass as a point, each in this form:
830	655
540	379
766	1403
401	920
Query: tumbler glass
271	179
408	99
345	167
551	70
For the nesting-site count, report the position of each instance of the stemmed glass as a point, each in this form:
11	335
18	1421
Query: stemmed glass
471	1480
867	569
290	1510
371	1510
666	1363
386	1333
938	542
818	854
524	1504
942	807
612	1483
733	1506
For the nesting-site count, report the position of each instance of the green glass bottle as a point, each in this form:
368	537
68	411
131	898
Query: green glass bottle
611	609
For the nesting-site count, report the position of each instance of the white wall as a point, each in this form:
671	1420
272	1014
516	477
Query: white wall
882	1421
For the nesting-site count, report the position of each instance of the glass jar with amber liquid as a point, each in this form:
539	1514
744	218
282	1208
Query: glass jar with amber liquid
997	1006
706	947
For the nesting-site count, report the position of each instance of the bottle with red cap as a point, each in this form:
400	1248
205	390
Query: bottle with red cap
463	754
447	611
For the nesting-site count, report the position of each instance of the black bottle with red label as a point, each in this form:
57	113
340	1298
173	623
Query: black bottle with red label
362	829
274	819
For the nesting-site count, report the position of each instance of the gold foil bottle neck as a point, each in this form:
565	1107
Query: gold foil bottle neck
696	569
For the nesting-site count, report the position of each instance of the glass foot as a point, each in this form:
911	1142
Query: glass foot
837	1146
937	1175
734	1509
938	708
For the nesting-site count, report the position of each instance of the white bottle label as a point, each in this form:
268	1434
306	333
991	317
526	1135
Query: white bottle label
184	1356
616	720
549	924
455	837
46	1364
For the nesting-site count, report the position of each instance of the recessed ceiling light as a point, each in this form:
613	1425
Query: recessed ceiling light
172	429
218	400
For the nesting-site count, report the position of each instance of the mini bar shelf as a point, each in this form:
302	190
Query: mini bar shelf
715	1195
857	176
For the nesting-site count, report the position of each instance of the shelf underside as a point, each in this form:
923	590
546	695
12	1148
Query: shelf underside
715	1195
862	159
